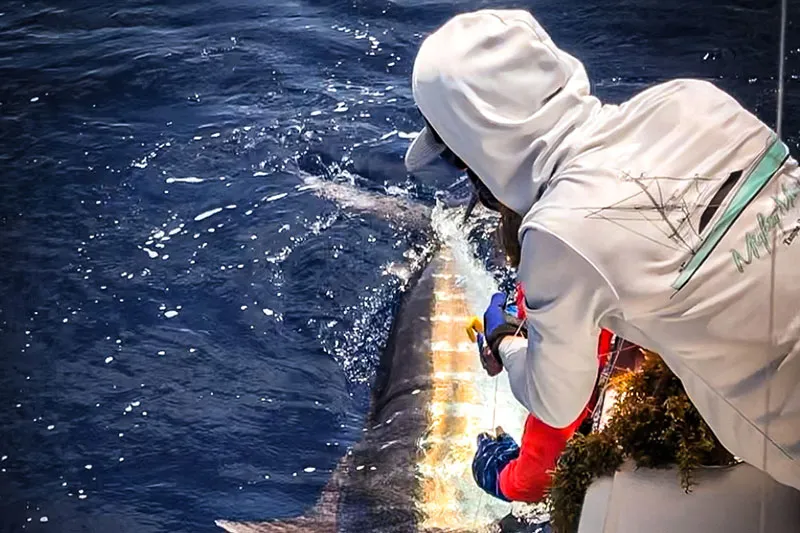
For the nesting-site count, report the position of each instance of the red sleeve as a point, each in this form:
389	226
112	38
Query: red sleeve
527	478
604	345
520	302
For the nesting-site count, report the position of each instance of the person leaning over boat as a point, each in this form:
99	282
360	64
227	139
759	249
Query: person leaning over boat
669	219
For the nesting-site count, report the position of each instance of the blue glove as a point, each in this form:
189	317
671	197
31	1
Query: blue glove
493	454
498	324
495	315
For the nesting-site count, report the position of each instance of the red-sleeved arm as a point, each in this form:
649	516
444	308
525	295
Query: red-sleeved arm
526	478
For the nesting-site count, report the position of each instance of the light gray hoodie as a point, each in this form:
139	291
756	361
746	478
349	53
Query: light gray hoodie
670	220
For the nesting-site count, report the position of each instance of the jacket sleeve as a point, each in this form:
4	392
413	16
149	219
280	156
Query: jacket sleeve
554	371
527	478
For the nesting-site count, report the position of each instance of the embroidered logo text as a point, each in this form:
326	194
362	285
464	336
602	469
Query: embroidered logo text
758	241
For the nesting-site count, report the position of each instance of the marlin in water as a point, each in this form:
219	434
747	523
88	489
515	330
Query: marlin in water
411	472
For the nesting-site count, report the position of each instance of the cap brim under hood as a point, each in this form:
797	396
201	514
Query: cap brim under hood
502	97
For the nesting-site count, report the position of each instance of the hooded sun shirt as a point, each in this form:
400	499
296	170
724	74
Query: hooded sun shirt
665	219
505	113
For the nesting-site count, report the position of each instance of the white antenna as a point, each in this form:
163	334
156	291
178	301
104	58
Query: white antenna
782	52
778	131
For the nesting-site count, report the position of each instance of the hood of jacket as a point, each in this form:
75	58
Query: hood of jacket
504	98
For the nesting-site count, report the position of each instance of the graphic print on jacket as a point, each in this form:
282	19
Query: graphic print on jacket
681	210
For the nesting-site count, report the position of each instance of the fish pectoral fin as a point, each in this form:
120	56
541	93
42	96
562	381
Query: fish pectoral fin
300	524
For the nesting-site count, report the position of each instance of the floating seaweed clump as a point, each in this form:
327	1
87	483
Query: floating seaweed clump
653	423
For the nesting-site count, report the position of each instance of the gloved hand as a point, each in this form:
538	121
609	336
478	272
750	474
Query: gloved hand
497	325
490	362
493	455
495	315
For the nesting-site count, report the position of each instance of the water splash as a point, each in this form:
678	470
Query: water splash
477	282
491	401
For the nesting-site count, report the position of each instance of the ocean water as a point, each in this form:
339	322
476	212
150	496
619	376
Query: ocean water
188	332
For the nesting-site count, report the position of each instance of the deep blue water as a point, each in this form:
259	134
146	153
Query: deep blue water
283	303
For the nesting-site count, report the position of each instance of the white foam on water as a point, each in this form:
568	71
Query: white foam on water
210	213
276	197
190	179
477	282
